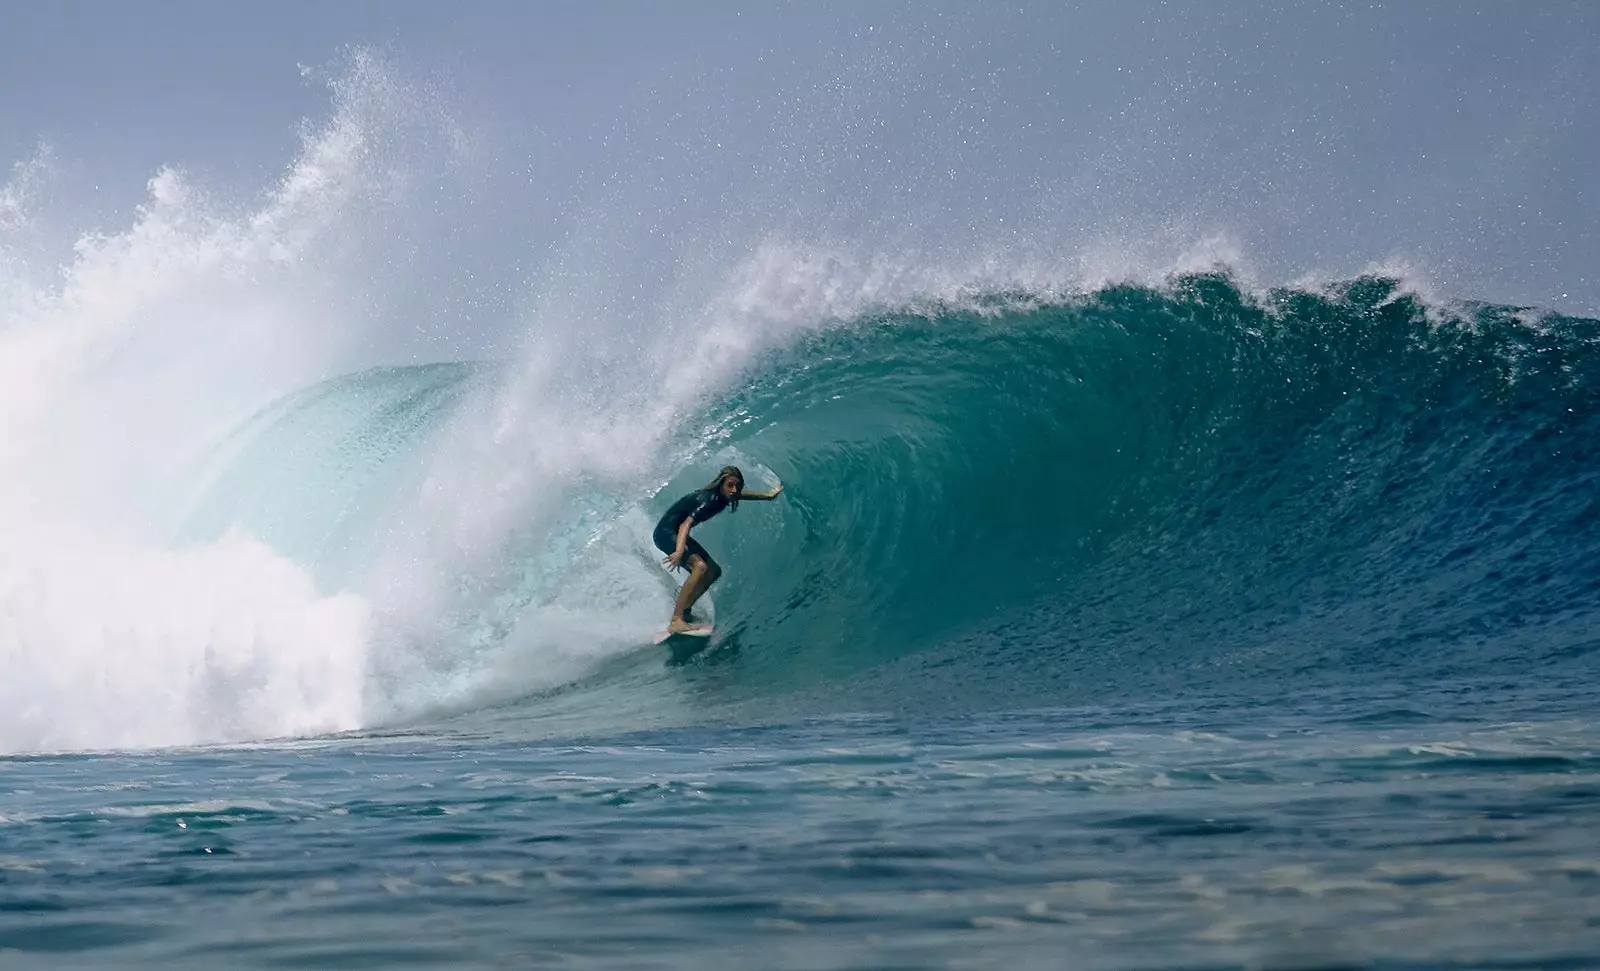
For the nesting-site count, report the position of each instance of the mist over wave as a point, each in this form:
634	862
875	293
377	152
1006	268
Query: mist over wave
1011	474
117	372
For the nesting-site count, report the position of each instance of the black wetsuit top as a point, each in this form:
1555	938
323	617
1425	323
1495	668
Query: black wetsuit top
699	505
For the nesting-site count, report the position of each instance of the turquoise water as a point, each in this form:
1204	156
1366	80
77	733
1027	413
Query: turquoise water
1149	628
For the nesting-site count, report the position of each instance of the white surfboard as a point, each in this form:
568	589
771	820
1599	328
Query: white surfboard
698	632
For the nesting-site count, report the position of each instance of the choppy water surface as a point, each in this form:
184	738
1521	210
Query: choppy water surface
1449	829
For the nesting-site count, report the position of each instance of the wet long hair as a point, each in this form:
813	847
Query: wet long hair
716	484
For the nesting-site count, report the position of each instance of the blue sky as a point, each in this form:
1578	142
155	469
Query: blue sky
1321	136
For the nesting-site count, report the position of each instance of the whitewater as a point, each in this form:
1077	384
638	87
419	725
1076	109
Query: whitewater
1121	606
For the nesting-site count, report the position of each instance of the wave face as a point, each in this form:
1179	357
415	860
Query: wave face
1136	492
1170	491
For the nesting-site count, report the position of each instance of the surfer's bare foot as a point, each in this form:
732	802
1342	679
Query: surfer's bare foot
679	626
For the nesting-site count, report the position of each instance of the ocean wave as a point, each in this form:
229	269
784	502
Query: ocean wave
1135	489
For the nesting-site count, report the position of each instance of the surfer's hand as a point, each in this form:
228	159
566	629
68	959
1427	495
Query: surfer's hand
674	560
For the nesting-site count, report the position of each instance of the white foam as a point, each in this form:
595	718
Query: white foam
146	345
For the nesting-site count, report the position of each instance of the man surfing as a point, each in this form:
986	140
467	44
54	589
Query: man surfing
726	491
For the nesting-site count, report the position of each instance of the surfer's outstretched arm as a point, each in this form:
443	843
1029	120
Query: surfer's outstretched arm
776	490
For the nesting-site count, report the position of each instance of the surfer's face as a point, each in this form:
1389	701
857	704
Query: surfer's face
731	486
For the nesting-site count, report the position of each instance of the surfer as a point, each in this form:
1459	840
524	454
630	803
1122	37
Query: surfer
672	537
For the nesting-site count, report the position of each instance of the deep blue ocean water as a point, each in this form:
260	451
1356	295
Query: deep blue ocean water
1177	628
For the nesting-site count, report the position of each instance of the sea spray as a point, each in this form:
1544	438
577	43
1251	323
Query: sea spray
116	378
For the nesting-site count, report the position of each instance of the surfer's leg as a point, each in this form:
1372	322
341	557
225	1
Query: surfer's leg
706	574
695	563
703	572
686	598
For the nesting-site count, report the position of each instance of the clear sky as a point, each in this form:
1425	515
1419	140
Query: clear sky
1319	137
